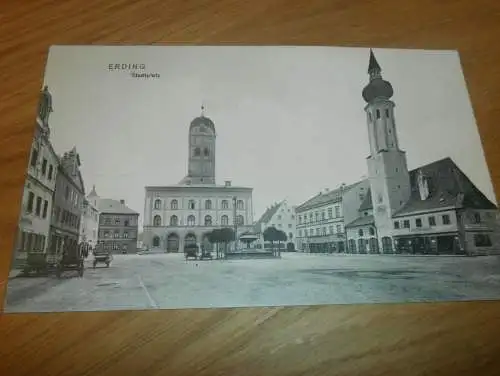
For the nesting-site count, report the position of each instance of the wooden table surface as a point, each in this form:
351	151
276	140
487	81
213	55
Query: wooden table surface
413	339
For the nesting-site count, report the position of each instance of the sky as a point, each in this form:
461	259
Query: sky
290	121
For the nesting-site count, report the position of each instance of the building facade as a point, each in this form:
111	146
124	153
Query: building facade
118	227
434	209
89	224
185	213
68	203
281	216
38	193
321	220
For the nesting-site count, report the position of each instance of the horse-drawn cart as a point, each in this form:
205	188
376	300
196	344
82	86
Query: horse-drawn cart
71	260
102	257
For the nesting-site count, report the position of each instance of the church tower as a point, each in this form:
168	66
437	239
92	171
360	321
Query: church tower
201	165
387	168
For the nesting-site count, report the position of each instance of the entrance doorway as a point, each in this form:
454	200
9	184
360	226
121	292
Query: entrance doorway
173	243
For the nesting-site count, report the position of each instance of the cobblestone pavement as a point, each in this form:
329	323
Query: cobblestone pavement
168	281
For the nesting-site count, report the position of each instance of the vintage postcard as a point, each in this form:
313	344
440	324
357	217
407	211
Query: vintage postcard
206	177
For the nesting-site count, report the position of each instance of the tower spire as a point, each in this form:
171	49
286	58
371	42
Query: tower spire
374	69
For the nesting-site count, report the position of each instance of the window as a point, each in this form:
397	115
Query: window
331	229
156	241
126	223
107	221
34	157
396	225
197	152
406	223
208	220
378	114
191	204
300	219
191	220
31	198
323	215
279	216
157	220
432	221
352	245
66	193
224	220
306	233
106	234
45	208
330	213
240	205
157	204
446	219
316	216
293	216
116	235
477	218
51	171
418	222
337	211
117	221
372	231
240	220
386	112
482	240
125	235
174	205
208	205
323	231
339	228
44	166
206	152
225	204
38	210
360	232
174	221
310	217
300	233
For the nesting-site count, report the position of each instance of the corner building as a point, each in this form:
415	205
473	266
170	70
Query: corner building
184	213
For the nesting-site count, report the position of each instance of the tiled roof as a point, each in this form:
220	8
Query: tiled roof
110	206
326	198
268	214
446	183
367	202
362	221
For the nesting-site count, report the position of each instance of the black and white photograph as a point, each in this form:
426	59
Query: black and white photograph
170	177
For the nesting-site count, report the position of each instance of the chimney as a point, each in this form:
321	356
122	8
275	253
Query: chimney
227	183
122	202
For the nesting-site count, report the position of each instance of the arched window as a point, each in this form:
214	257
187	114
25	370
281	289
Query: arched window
206	152
372	231
240	220
224	221
197	152
157	220
157	204
208	205
174	204
191	220
156	241
225	204
240	205
360	232
208	220
174	221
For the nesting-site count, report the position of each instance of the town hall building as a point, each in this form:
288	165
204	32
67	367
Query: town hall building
176	215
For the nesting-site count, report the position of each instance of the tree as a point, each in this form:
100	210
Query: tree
271	234
227	235
214	237
281	237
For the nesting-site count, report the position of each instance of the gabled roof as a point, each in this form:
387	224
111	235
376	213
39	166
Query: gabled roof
93	192
268	214
110	206
322	199
367	202
362	221
448	187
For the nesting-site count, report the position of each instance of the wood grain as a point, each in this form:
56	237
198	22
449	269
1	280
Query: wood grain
413	339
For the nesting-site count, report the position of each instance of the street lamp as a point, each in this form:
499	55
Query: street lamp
235	223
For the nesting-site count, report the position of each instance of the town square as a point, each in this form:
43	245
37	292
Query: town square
401	232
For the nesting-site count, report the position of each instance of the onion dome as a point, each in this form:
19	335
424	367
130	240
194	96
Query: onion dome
202	121
377	88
